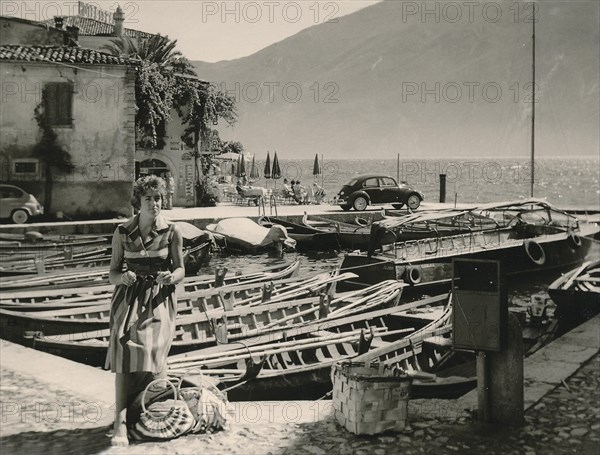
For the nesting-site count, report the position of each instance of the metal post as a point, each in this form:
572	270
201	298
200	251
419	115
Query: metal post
483	379
442	187
533	102
322	172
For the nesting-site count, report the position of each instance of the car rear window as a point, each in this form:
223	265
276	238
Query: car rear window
370	182
7	193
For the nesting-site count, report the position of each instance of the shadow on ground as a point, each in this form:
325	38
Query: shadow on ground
78	441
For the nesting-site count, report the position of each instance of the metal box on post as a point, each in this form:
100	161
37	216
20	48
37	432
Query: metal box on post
480	305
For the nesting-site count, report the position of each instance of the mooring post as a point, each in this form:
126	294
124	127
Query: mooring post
220	276
504	382
267	292
442	187
481	322
483	387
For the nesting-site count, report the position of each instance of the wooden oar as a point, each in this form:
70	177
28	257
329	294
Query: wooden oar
575	274
312	310
364	299
311	287
323	338
278	348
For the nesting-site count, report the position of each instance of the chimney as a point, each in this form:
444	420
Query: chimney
73	33
58	22
119	18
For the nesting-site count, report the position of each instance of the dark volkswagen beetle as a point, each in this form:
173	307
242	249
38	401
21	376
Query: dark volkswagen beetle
369	189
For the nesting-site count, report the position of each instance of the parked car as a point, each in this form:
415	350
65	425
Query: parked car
365	190
18	205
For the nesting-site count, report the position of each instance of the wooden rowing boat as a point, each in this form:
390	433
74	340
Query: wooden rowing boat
68	279
93	253
414	226
350	236
44	248
576	295
534	237
306	237
440	370
100	258
194	256
265	322
84	318
301	358
245	235
35	300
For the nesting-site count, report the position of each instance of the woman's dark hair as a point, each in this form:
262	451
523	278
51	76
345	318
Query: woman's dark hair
143	184
293	182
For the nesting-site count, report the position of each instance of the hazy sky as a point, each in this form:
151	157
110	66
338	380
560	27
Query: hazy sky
206	30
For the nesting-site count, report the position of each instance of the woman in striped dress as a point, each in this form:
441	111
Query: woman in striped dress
146	263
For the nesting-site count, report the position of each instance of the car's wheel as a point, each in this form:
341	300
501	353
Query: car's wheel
360	203
398	206
345	208
413	202
19	216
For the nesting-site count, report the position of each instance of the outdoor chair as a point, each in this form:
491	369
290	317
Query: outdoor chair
230	196
283	197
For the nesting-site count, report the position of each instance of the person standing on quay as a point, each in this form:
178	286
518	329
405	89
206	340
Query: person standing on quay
170	190
144	304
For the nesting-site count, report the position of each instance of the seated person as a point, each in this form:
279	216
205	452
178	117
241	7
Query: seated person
318	193
239	187
287	189
286	186
299	193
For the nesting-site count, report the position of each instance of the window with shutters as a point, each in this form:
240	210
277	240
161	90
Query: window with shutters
58	103
25	167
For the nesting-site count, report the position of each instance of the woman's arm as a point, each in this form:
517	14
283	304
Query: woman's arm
115	275
178	272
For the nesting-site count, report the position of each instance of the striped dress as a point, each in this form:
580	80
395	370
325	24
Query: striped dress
142	316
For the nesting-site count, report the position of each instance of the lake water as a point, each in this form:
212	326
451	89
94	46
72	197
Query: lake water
562	182
315	262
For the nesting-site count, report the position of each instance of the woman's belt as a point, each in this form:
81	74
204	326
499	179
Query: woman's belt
144	270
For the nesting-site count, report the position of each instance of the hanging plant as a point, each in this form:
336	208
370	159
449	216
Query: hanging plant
154	93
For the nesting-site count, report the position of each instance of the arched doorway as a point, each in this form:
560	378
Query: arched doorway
152	166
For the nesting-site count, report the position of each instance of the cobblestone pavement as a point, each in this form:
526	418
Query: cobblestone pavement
567	420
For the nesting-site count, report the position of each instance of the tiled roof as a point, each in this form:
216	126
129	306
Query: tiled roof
93	27
59	54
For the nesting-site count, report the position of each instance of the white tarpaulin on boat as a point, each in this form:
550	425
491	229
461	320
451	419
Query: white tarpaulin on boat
246	232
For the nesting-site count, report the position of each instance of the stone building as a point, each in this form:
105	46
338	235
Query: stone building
15	30
102	105
97	29
88	99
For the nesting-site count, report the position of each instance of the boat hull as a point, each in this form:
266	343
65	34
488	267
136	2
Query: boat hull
573	307
559	254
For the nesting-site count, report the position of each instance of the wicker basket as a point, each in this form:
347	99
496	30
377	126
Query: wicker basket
367	402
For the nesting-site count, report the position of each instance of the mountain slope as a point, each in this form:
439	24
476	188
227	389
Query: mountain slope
379	82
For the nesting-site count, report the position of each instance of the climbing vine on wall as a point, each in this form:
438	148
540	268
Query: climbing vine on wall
54	157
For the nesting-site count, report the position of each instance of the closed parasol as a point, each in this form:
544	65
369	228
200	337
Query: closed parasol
316	166
267	171
276	172
253	170
241	168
